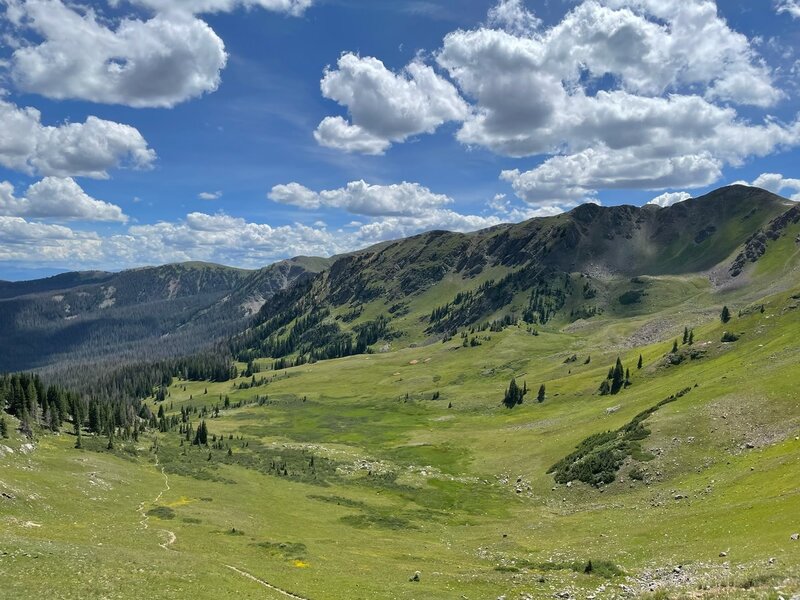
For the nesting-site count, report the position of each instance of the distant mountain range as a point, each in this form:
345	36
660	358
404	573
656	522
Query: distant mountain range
147	313
554	269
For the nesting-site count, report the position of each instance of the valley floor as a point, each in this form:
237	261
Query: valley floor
342	479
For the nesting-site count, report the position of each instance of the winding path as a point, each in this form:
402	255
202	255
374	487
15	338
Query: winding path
144	522
274	588
172	538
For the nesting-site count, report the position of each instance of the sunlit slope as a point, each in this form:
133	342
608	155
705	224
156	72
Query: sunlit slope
345	477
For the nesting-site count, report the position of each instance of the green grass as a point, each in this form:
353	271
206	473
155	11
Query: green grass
351	478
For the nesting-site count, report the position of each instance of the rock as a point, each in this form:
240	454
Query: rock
771	561
796	536
415	577
680	496
569	484
678	569
723	554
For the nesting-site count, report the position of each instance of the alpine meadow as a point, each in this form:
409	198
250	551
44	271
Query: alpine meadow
558	375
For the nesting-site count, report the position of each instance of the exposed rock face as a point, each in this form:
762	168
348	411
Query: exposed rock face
756	245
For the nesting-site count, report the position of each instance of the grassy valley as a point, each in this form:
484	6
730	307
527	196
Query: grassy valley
363	449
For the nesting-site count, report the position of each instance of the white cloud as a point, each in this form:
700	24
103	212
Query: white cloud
154	63
618	94
670	198
791	7
57	198
513	213
439	219
574	178
778	184
86	149
210	195
385	107
512	16
23	242
360	198
531	99
336	132
291	7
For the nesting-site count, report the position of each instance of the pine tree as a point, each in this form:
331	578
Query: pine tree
691	337
627	377
725	315
685	335
605	388
201	435
542	394
674	346
618	377
3	427
640	363
514	394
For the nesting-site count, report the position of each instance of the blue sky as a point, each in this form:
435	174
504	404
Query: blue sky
246	131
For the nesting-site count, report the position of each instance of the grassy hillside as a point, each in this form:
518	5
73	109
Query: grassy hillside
344	478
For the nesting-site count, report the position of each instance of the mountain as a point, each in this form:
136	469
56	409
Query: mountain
146	313
407	292
561	268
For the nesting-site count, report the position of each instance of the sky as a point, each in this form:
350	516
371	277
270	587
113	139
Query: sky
143	132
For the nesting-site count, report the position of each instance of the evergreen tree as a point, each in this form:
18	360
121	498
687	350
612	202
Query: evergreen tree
201	435
725	315
691	337
685	335
514	394
618	377
3	427
542	394
627	377
605	388
674	346
640	363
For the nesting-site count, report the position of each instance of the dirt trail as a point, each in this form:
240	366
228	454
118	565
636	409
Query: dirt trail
144	522
265	584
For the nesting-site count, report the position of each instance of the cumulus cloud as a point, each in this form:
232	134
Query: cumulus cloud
512	16
791	7
210	195
512	212
670	198
637	93
778	184
383	106
291	7
533	96
574	178
57	198
86	149
360	198
158	62
396	210
23	242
